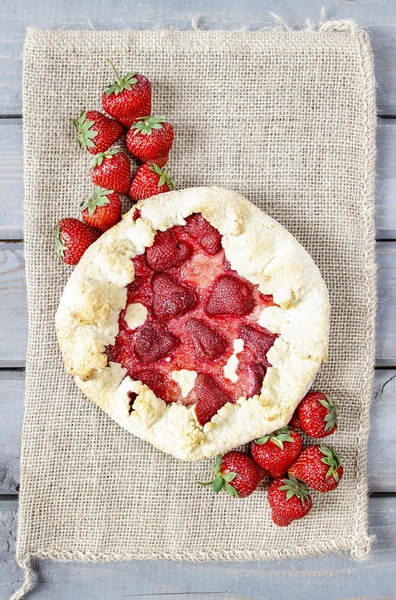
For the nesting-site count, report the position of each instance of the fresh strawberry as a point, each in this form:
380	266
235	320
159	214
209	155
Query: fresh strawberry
171	298
96	132
150	139
230	296
166	252
149	181
295	421
208	344
128	98
210	397
154	341
260	340
256	374
277	451
262	472
155	381
72	238
317	414
289	501
319	467
236	474
203	232
112	170
102	210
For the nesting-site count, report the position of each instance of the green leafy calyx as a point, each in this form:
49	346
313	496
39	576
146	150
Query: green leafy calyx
333	460
98	198
99	158
60	245
121	83
332	416
145	125
278	437
84	130
222	481
293	487
164	177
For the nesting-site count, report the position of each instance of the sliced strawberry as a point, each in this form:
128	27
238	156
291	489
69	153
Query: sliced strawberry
204	233
171	298
133	287
260	340
166	252
154	341
155	381
256	374
230	296
208	344
210	398
113	352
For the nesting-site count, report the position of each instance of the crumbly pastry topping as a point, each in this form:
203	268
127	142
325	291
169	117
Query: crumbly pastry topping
282	308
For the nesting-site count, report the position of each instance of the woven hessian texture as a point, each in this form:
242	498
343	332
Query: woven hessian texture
286	119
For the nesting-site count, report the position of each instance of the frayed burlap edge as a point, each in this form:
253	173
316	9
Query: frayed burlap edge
359	545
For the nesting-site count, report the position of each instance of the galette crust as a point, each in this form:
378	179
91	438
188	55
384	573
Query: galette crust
260	250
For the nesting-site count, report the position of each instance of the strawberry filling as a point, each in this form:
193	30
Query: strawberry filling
197	307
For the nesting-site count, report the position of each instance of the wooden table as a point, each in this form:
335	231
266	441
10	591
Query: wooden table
329	577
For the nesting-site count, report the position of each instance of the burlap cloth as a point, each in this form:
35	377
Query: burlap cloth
287	119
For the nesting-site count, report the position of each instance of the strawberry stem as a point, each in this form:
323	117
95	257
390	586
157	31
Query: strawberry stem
118	78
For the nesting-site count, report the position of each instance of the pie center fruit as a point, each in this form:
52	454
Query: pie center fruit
190	327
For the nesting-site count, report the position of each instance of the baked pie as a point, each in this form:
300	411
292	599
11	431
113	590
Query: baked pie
197	323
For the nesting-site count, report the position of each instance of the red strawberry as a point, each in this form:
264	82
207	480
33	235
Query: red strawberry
236	474
260	340
128	98
102	210
256	374
112	170
133	288
230	296
204	233
210	398
318	415
289	500
262	472
166	252
208	344
171	298
277	451
154	341
149	181
155	381
72	238
295	421
96	132
319	467
150	139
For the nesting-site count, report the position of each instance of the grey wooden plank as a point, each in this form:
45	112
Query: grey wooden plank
13	311
11	177
381	467
381	452
379	16
386	313
385	205
329	577
12	384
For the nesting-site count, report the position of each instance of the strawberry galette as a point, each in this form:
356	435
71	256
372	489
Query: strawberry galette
197	323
